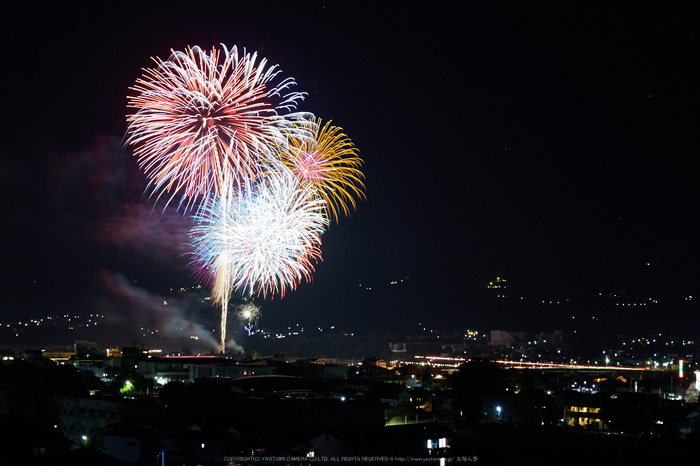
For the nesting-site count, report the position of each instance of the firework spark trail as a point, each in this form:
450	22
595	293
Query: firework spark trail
222	286
202	117
221	291
328	162
260	241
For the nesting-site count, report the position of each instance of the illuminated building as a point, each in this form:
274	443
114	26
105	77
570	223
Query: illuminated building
421	399
583	416
582	410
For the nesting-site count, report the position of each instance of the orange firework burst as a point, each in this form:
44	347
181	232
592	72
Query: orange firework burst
202	118
329	163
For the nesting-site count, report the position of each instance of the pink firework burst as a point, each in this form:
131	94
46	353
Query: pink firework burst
205	119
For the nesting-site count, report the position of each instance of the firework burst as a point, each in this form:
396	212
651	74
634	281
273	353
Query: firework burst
248	314
219	131
328	162
202	117
260	241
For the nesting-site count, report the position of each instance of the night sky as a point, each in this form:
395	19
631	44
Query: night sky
553	145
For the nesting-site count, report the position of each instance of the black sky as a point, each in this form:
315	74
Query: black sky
555	145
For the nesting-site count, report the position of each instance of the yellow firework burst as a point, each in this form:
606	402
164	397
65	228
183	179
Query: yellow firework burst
329	163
